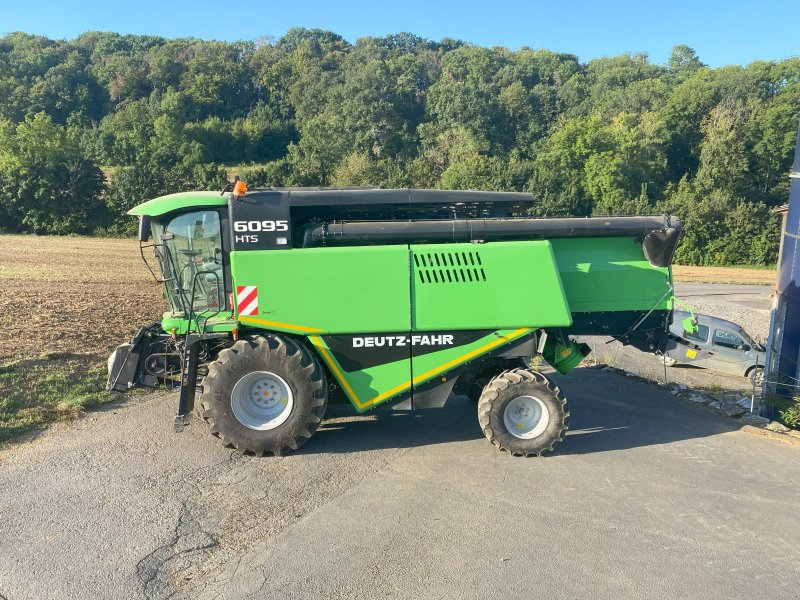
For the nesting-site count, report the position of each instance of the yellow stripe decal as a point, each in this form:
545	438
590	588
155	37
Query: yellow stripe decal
485	348
278	324
317	341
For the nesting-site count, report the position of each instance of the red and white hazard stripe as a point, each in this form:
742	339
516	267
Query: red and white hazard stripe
247	299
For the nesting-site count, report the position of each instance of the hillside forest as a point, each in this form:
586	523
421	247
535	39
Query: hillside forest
92	126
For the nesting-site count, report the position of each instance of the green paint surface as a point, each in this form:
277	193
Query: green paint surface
610	274
435	364
362	289
372	386
164	204
486	286
368	387
215	323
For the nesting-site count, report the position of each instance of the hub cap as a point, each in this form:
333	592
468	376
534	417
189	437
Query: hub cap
262	400
526	417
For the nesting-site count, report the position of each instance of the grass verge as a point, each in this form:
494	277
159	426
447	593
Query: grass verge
36	393
788	410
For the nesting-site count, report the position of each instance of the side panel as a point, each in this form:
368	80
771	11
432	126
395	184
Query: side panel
327	290
369	376
426	366
610	274
486	286
374	368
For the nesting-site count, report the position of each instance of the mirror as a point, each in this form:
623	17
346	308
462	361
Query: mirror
690	325
144	228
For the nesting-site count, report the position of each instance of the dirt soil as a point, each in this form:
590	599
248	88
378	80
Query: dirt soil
72	297
65	303
740	275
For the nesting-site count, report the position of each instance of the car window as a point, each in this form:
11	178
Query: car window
727	339
751	342
700	336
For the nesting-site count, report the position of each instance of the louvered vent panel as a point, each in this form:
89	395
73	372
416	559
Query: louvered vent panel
449	267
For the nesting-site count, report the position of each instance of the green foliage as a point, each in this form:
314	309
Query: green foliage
46	186
788	409
790	416
616	135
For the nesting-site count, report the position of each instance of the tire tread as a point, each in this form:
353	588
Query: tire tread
296	358
502	382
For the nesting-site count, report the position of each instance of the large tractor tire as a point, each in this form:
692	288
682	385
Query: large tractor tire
265	395
523	412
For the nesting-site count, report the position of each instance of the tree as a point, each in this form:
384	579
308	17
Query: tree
723	154
46	185
615	135
683	61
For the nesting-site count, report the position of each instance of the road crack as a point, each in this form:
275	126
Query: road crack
188	546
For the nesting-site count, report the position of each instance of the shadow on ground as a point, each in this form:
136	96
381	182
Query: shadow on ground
608	412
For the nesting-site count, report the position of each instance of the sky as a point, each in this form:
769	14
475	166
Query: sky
721	32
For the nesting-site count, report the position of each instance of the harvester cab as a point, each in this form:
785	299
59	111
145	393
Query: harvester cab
279	298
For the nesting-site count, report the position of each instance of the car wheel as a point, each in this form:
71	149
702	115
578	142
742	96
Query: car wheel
668	360
756	376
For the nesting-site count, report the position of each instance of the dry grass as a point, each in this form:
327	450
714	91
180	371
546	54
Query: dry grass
736	275
65	303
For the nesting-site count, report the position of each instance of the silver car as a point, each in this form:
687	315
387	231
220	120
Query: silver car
718	344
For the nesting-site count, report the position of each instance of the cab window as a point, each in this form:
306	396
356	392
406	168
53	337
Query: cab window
192	264
700	336
727	339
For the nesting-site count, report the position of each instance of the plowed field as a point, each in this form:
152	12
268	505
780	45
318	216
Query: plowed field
65	302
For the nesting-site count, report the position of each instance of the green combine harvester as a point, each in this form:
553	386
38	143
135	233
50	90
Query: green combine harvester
280	299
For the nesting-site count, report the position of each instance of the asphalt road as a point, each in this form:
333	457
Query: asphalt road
744	296
648	497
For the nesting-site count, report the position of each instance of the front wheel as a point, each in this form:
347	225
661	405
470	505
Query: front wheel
523	412
266	395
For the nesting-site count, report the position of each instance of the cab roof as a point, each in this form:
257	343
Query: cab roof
164	204
334	196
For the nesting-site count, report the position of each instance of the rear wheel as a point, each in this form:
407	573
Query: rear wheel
523	412
264	395
668	360
756	376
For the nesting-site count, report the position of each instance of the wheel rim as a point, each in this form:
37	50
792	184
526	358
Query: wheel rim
758	377
262	400
526	417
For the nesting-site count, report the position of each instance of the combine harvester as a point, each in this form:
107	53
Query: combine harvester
279	298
